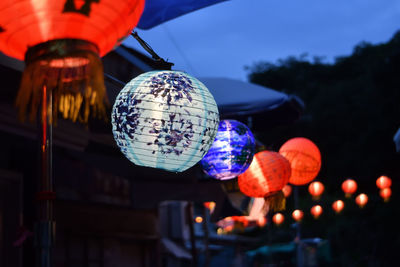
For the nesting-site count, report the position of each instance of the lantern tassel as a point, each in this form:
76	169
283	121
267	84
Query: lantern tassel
275	201
76	80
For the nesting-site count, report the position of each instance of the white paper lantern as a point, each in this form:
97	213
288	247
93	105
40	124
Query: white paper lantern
165	119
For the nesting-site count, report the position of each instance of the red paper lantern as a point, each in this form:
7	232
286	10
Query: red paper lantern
297	215
278	218
362	200
338	206
61	43
287	190
316	189
267	175
385	193
261	221
316	211
383	182
304	157
349	186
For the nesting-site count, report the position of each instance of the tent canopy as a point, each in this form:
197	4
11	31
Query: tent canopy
159	11
240	100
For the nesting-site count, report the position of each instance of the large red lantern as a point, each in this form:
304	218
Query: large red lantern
61	42
316	189
383	182
361	200
338	206
385	193
267	175
316	211
278	218
349	187
304	157
297	215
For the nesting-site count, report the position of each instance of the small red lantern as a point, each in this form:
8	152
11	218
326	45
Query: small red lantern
338	206
278	218
383	182
304	157
316	211
349	186
362	200
385	193
316	189
267	175
61	43
297	215
287	190
261	221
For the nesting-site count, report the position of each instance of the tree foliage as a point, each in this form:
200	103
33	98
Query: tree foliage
352	113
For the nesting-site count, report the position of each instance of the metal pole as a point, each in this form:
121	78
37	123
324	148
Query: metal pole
205	230
45	226
189	215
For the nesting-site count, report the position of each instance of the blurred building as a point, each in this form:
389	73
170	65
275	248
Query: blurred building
108	211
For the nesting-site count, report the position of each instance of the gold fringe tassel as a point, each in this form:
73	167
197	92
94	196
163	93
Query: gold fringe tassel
275	201
78	89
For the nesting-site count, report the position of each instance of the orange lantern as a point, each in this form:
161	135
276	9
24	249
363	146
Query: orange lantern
61	43
338	206
383	182
278	218
267	175
349	186
198	219
287	190
361	200
261	221
304	157
297	215
316	189
385	193
316	211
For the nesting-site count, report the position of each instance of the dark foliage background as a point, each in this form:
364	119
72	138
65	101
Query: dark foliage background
352	113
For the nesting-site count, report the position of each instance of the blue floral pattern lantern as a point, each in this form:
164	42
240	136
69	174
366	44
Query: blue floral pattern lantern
165	119
232	151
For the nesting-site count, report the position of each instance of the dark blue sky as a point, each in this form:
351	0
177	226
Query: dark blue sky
220	40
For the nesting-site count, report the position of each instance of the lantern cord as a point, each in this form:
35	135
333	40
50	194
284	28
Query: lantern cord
162	64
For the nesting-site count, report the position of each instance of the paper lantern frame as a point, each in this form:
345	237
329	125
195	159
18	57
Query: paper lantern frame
231	152
165	119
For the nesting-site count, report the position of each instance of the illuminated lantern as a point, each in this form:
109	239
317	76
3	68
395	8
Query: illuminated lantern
383	182
231	152
261	221
385	193
278	218
198	219
338	206
210	206
304	157
361	200
61	43
165	119
267	175
316	211
297	215
316	189
287	190
349	187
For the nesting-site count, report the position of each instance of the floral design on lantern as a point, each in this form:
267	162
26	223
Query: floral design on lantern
231	152
304	157
165	119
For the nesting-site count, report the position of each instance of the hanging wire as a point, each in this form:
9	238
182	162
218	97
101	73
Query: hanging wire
162	64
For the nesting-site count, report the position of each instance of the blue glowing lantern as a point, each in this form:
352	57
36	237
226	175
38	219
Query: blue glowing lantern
165	119
232	151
